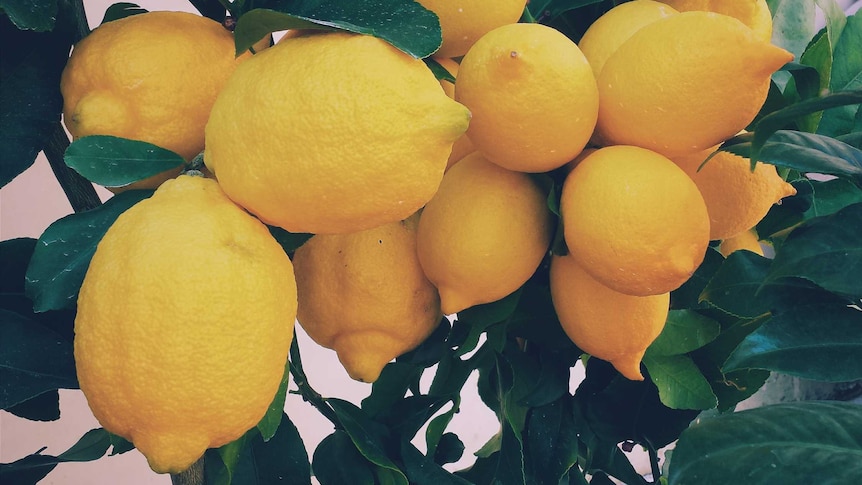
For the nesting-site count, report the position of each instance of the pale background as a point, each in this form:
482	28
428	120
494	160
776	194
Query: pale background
34	200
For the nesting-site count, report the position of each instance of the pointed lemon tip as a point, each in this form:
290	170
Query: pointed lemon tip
452	301
629	366
364	354
172	452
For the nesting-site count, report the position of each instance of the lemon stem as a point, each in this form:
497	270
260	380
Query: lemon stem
194	475
308	393
79	191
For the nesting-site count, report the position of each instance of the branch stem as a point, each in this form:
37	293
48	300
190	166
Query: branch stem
193	476
80	192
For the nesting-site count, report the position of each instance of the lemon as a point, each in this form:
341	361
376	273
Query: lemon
634	220
463	146
736	197
332	133
151	77
684	83
745	240
364	295
483	234
614	27
463	22
753	13
184	322
532	94
604	323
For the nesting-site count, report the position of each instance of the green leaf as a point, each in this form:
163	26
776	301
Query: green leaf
826	251
111	161
439	71
44	407
38	15
64	251
687	295
816	342
551	441
405	24
684	331
544	10
806	152
540	376
30	100
846	75
121	10
817	55
289	241
15	255
33	360
448	449
408	415
270	422
680	383
422	471
32	468
813	199
792	24
393	383
367	435
479	318
807	442
351	467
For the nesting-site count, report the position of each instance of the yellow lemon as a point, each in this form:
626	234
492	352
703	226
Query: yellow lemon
736	197
685	83
463	145
483	234
745	240
634	220
532	94
753	13
151	77
604	323
364	295
463	22
332	133
184	322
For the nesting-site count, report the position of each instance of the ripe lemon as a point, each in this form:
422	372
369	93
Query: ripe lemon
614	27
685	83
753	13
745	240
332	133
365	296
463	22
634	220
532	94
736	197
463	145
151	77
483	234
604	323
184	322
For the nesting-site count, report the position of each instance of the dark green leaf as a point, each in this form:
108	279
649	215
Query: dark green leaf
44	407
38	15
687	295
448	449
846	74
408	415
121	10
33	360
479	318
214	9
551	441
14	257
818	55
92	446
793	24
808	442
684	331
351	467
289	241
734	286
30	100
368	436
393	383
813	198
826	251
422	471
606	458
439	71
680	383
435	433
32	468
406	25
547	9
540	376
813	342
806	79
65	249
430	351
111	161
283	458
120	445
272	419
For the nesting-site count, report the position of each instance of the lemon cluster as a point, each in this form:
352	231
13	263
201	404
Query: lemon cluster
420	195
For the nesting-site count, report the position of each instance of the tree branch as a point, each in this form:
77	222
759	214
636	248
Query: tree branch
193	476
78	190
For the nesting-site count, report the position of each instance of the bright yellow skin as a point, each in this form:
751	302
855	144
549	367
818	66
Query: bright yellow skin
736	197
532	94
463	22
685	83
634	220
745	240
753	13
151	77
484	233
604	323
365	296
332	133
184	322
463	146
614	27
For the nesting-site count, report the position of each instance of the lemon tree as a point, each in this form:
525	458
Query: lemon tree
707	235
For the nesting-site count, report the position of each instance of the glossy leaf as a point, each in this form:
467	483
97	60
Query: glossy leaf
687	296
405	24
846	74
806	442
33	360
352	467
551	441
38	15
813	198
64	251
15	255
826	251
813	342
477	319
268	426
422	471
793	24
684	331
289	241
44	407
680	383
448	449
30	100
391	387
121	10
111	161
32	468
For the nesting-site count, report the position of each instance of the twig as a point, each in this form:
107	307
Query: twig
305	390
80	192
193	476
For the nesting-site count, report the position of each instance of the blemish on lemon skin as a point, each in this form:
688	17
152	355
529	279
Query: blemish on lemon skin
513	54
